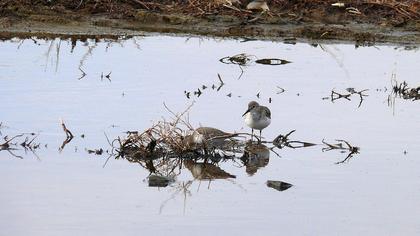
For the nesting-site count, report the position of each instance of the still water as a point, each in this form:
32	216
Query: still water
68	192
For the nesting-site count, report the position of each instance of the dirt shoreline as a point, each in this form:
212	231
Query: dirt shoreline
275	28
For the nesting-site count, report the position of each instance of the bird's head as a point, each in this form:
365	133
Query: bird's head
251	105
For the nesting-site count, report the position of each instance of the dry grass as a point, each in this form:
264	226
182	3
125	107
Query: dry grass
167	140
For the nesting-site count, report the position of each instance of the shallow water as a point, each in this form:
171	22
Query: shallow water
69	192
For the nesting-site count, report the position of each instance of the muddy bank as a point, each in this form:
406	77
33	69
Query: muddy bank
100	27
298	21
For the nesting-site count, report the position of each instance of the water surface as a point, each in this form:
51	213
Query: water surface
69	192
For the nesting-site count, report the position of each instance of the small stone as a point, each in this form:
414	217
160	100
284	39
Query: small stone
278	185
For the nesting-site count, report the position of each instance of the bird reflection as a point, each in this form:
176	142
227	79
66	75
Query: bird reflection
255	156
206	171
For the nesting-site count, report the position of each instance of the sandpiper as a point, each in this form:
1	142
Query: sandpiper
257	117
207	136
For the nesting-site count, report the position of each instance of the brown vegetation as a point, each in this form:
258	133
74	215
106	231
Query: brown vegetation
398	11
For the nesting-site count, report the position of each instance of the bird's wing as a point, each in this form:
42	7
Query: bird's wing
210	132
268	112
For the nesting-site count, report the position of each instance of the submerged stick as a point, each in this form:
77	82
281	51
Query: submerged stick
221	82
69	135
67	131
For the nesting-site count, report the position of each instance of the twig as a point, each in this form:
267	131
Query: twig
242	72
68	132
141	3
348	157
335	96
221	82
339	146
69	136
83	74
80	3
11	153
108	76
9	140
233	8
281	90
178	117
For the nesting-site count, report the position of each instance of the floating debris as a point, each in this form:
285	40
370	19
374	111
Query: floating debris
272	61
241	59
282	141
99	151
246	60
198	92
342	145
351	91
278	185
404	91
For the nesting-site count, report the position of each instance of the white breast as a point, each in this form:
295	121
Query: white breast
255	122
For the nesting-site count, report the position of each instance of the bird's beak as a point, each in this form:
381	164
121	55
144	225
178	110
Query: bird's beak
246	111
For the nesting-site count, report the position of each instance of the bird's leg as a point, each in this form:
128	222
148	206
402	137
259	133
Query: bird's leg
260	137
252	136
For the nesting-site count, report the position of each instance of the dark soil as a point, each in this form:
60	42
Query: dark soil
363	22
